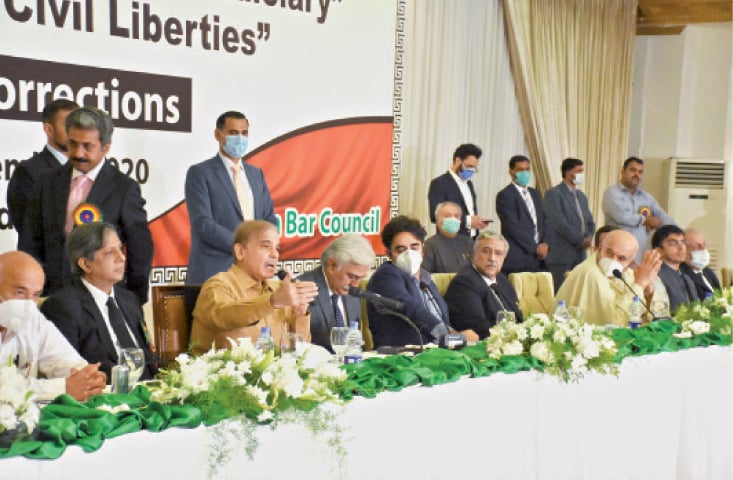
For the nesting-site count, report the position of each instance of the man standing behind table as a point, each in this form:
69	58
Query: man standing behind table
479	290
631	208
237	303
456	186
87	185
570	224
519	208
669	241
604	298
344	264
220	193
97	315
35	344
447	251
53	155
696	264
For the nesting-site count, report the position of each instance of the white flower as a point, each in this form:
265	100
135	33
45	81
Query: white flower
698	327
540	351
588	348
512	348
558	336
7	417
521	332
536	331
315	356
578	362
258	393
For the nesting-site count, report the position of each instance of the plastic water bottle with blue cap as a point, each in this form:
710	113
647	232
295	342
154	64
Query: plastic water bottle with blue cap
636	310
352	354
265	343
561	311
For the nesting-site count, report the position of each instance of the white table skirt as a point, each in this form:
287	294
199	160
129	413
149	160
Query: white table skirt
667	416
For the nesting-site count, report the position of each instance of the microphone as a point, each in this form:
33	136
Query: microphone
281	274
617	273
387	306
376	299
451	341
426	288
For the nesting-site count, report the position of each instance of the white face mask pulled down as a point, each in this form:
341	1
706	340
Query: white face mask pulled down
608	265
409	261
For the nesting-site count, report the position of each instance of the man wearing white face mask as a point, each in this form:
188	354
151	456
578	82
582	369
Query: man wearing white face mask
33	343
220	193
447	251
696	264
604	298
403	280
570	224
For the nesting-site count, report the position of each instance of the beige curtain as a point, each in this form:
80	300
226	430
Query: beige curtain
572	64
458	88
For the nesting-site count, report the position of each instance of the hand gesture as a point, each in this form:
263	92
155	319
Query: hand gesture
296	294
646	272
84	383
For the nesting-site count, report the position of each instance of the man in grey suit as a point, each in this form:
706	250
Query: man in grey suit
344	264
220	193
570	224
669	241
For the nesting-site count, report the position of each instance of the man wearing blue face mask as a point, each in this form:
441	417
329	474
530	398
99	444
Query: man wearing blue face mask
447	251
570	224
522	220
221	193
456	186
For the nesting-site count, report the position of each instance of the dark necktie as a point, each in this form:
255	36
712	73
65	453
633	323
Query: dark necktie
118	325
337	311
689	287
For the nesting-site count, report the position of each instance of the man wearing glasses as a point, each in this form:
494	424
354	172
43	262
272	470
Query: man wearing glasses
669	241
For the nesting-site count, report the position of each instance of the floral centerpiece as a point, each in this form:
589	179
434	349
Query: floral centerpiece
565	346
18	410
710	315
242	380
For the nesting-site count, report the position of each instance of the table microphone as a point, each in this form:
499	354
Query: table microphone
281	274
376	299
617	273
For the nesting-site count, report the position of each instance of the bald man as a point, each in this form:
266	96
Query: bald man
604	298
35	344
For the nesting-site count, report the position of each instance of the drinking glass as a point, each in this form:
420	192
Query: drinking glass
576	313
338	342
134	358
291	342
505	316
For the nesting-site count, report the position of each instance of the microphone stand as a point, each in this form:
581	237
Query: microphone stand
388	311
617	273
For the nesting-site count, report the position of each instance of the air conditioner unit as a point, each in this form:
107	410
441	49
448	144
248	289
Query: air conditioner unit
696	198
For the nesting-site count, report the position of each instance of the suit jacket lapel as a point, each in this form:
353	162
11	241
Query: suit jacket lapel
61	186
324	301
101	187
90	306
226	182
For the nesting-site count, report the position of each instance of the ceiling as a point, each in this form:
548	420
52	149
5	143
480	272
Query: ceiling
669	17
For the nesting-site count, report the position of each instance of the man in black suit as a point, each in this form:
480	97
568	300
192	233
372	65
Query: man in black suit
696	264
455	186
479	291
53	155
344	263
87	188
95	314
669	241
570	224
522	221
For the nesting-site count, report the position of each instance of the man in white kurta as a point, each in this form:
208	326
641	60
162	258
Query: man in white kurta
33	343
604	298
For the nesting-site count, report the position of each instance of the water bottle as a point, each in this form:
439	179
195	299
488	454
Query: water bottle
708	296
352	354
636	310
265	343
561	311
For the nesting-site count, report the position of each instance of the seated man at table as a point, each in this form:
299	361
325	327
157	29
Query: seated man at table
479	291
593	286
238	302
669	241
35	344
344	263
403	280
447	251
696	264
96	314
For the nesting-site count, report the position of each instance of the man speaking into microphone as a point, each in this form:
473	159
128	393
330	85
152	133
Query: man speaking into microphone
604	298
402	279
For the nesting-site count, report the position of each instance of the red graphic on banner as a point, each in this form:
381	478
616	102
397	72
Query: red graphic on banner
325	181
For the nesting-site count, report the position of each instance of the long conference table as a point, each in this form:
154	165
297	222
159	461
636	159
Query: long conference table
667	416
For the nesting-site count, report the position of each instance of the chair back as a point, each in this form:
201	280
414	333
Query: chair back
534	290
442	280
170	321
727	277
